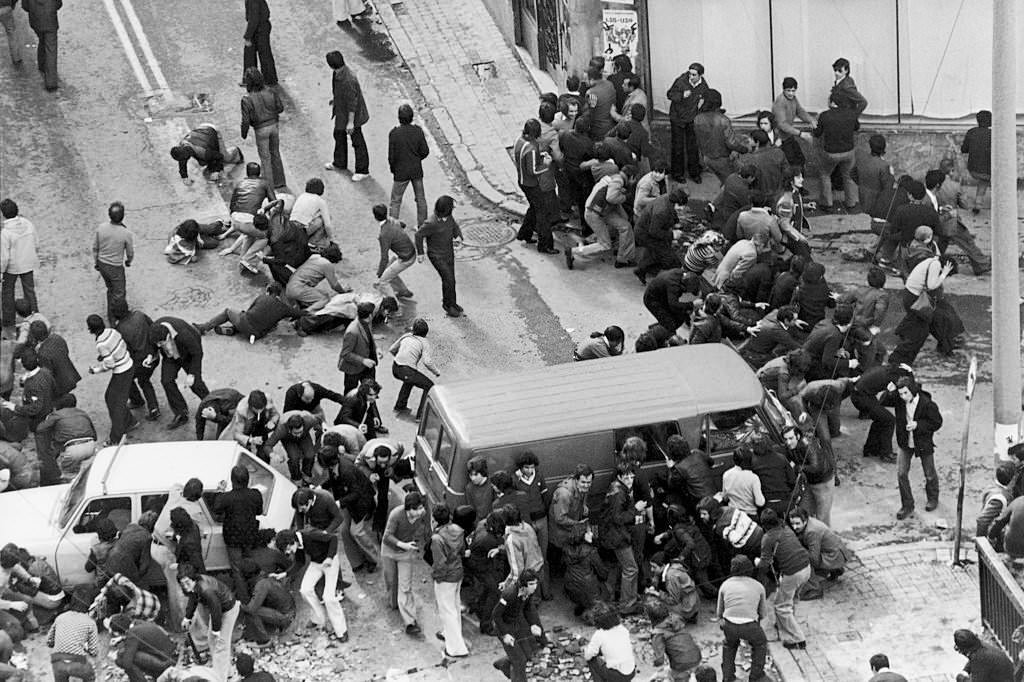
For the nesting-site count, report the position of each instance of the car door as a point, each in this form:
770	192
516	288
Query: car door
215	554
80	535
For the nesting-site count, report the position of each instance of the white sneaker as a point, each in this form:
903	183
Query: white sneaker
358	177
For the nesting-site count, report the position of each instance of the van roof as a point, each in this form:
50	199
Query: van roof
559	400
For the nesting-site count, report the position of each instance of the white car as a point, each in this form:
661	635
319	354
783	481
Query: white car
57	522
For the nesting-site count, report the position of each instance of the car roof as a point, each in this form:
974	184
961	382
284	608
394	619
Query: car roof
158	466
559	400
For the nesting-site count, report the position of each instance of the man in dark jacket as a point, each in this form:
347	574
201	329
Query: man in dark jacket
734	195
985	662
258	320
134	326
358	356
661	297
206	145
826	345
518	626
130	555
38	390
359	409
774	337
237	510
271	604
686	95
782	553
306	395
42	17
181	346
440	235
71	437
917	420
407	147
348	109
715	136
52	351
257	40
214	605
838	128
356	497
616	531
905	221
868	391
689	478
818	467
777	476
145	649
653	234
218	407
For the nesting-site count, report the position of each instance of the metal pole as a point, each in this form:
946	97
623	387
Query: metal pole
1005	275
972	375
899	84
771	44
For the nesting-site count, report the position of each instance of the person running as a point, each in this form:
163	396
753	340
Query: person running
438	238
181	346
410	350
114	357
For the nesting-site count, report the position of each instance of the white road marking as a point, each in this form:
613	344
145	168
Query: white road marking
147	51
129	49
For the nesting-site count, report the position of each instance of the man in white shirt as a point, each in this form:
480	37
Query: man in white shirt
311	212
609	653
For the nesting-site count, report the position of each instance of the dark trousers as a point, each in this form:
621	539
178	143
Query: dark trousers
143	666
352	380
116	396
256	623
794	154
753	634
49	470
446	270
168	379
931	478
961	237
655	258
513	664
46	57
201	427
685	154
300	457
579	183
879	440
261	48
358	146
28	291
117	286
602	673
66	669
410	376
540	216
235	557
141	390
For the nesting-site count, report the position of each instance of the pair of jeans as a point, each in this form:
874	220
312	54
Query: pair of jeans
931	477
579	183
784	605
390	277
116	397
168	379
879	440
600	671
142	391
235	557
625	572
410	376
398	581
752	634
446	271
330	610
845	162
398	191
818	500
957	234
219	648
449	600
46	57
28	291
684	150
66	667
117	285
358	146
261	48
358	539
13	44
602	226
143	666
268	146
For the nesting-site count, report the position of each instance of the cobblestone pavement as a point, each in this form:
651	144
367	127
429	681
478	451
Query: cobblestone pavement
447	45
901	600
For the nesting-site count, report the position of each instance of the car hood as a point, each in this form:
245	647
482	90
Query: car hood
30	515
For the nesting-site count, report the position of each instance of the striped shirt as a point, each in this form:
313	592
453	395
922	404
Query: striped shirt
113	352
73	633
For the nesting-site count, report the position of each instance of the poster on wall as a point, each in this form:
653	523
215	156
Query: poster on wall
620	32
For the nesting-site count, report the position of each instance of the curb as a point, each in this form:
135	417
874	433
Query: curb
449	132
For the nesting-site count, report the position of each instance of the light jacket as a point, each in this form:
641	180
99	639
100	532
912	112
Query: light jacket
18	246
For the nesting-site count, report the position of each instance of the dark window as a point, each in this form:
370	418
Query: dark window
117	509
654	435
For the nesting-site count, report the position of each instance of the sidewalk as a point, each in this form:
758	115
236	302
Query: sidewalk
446	45
901	600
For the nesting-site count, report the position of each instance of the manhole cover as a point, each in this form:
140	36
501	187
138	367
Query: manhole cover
487	234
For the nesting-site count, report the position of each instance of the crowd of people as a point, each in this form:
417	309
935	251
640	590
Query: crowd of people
752	542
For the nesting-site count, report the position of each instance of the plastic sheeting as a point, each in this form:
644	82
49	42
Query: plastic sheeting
944	55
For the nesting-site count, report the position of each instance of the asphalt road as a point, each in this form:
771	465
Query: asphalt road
65	156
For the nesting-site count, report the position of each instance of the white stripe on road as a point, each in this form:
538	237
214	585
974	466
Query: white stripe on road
129	49
147	51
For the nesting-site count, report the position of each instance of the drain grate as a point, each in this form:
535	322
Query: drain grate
487	234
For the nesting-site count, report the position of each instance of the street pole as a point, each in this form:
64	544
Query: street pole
972	376
1005	275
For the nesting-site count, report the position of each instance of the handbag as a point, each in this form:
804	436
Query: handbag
923	307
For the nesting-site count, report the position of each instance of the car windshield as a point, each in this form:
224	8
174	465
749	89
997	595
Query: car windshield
75	494
777	412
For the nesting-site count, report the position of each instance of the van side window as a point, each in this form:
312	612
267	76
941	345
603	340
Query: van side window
445	452
654	435
430	431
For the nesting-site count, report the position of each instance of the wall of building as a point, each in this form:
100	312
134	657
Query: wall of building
501	12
